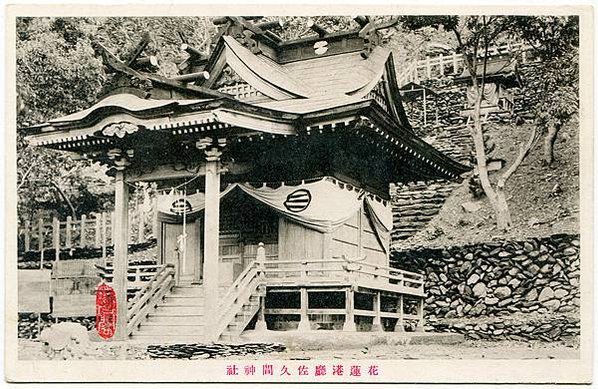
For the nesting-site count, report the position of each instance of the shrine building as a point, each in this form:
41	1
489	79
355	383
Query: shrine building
274	158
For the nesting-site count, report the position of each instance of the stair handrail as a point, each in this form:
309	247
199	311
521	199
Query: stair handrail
155	289
143	290
245	284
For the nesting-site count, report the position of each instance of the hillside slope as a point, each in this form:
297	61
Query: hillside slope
543	200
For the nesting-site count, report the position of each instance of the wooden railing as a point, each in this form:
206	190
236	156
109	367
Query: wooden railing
138	275
85	231
146	299
434	67
238	294
356	271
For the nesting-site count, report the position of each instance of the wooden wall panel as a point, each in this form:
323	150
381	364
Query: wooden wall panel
297	242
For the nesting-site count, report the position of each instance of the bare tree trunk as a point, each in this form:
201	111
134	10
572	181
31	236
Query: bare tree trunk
503	216
549	141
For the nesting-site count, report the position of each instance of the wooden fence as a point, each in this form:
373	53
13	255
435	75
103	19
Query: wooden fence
88	231
436	67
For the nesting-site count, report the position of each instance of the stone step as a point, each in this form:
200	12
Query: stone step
175	318
167	339
184	300
171	329
179	309
187	291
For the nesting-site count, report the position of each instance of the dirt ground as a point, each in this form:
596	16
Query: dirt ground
542	200
465	350
29	350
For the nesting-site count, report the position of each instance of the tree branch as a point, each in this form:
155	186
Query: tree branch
523	153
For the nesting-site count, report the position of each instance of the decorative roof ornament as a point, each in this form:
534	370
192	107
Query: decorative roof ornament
369	32
245	32
120	129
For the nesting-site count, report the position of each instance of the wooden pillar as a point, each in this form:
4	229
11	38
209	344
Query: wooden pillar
304	322
260	260
400	326
40	235
455	63
349	306
56	237
27	231
425	109
112	231
83	227
40	232
69	232
104	237
441	63
120	226
155	225
197	269
98	231
211	239
428	68
420	313
377	323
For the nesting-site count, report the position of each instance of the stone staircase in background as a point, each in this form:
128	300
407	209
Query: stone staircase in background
415	204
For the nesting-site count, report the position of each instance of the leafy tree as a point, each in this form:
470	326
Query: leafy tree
474	35
555	43
57	74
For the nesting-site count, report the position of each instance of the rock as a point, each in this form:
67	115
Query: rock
513	271
534	269
514	283
566	308
474	278
560	293
528	247
552	305
546	294
479	290
490	300
69	339
505	302
443	277
504	254
465	267
546	269
533	221
468	256
556	269
471	206
534	254
502	292
569	251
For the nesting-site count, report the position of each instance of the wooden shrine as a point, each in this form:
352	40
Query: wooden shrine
500	76
275	158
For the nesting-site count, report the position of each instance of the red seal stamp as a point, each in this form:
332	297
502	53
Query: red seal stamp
105	311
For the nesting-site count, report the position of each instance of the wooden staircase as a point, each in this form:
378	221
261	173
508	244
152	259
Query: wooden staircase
164	313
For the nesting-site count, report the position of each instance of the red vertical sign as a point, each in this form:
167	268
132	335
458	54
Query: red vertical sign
105	311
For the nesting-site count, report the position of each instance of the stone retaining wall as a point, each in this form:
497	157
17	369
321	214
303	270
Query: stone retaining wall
536	275
522	327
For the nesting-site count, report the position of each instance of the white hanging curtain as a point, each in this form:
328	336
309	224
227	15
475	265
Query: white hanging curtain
323	205
381	216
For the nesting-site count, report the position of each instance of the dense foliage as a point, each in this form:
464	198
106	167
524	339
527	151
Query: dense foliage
57	74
